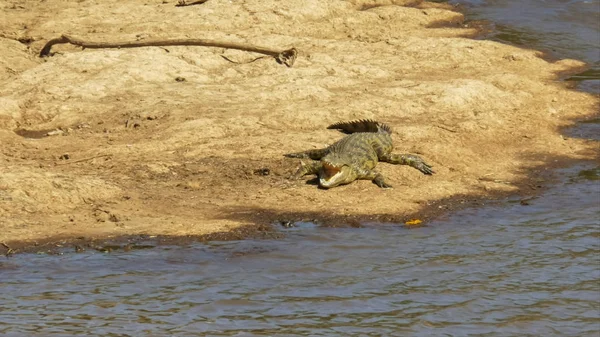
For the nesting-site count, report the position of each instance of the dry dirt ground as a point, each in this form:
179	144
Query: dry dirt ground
178	140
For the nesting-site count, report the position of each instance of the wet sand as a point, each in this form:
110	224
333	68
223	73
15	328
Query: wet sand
142	152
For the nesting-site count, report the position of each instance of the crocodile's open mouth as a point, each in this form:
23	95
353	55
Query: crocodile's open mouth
329	171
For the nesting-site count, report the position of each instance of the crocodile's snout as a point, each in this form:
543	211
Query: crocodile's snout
332	176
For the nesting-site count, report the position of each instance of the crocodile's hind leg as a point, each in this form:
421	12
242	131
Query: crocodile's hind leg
408	159
306	169
316	154
377	178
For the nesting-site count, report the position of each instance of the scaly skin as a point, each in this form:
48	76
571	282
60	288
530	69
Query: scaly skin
356	155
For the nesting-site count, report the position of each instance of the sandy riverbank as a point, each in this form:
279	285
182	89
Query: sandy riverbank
150	153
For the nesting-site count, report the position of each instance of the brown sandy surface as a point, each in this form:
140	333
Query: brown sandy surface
143	151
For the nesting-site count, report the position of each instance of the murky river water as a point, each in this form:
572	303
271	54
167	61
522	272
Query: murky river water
509	270
504	270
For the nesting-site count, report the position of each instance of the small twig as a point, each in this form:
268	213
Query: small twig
183	3
445	128
84	159
9	251
287	57
236	62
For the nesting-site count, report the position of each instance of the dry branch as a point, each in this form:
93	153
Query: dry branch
9	251
183	3
287	57
84	159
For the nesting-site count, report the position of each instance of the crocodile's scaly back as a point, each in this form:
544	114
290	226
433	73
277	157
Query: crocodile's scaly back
361	125
361	150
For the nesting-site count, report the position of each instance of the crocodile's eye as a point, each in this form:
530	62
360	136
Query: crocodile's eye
330	170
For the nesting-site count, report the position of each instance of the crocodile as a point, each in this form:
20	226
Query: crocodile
356	155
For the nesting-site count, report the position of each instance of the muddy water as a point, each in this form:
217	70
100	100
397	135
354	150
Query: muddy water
503	270
498	271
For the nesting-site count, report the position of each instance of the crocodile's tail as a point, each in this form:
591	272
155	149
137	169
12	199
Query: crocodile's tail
361	125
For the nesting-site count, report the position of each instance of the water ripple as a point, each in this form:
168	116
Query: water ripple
498	271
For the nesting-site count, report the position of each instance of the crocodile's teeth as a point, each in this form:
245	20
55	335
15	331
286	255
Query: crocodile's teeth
329	170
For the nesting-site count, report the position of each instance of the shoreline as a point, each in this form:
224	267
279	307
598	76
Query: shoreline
123	210
267	227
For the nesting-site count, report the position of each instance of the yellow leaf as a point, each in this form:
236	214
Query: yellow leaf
413	222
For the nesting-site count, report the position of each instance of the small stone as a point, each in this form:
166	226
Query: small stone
133	123
65	156
101	216
264	171
56	132
512	57
286	223
180	79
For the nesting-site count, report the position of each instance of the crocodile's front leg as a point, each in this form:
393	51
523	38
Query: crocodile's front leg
376	177
305	169
410	160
